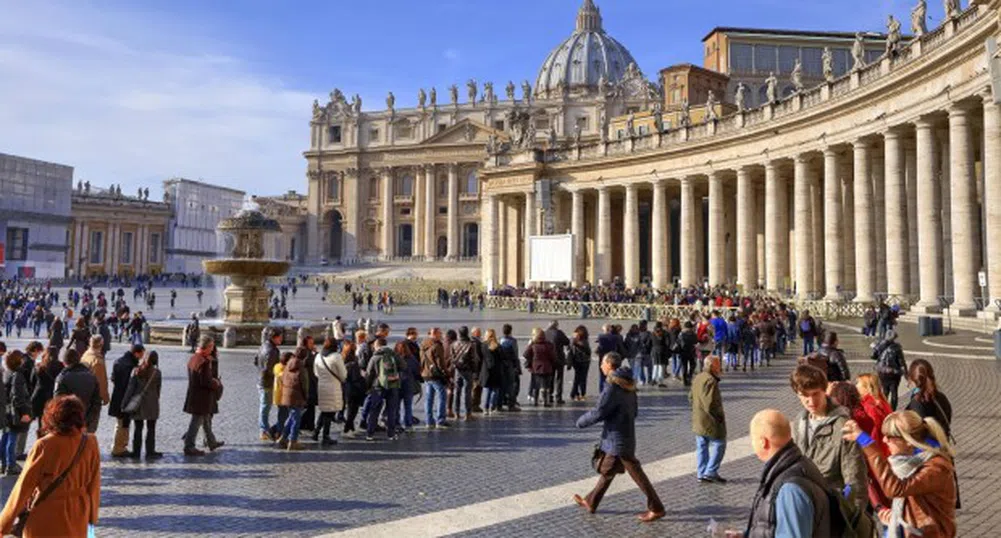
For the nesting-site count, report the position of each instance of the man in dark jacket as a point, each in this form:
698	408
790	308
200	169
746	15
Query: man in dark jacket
463	362
78	380
617	408
560	341
121	373
200	401
609	341
791	498
890	365
837	366
265	362
56	334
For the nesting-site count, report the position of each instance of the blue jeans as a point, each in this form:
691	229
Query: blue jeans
291	428
808	346
676	365
8	448
463	392
709	454
265	411
434	389
392	399
493	399
644	366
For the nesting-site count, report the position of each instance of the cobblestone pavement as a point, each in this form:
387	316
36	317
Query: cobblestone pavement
249	489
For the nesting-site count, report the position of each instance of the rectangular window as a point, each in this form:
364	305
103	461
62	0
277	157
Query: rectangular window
17	244
333	189
583	122
813	62
764	58
541	123
291	249
442	127
443	210
407	186
499	125
842	61
96	247
872	55
405	211
741	58
643	130
404	131
373	136
126	257
334	134
154	248
442	187
787	58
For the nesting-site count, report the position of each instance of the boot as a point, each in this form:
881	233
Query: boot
295	446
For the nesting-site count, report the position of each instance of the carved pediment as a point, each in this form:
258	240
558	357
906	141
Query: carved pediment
465	132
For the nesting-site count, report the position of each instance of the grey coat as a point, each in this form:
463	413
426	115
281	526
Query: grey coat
839	461
149	409
80	382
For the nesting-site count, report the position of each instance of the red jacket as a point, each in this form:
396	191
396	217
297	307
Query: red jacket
202	386
540	357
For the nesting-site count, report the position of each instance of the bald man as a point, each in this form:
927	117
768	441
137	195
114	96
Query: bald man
790	483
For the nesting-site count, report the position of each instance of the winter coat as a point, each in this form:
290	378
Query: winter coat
434	365
307	367
890	363
295	384
688	344
203	386
79	381
789	465
95	361
80	340
121	372
580	353
837	366
839	460
356	385
152	381
491	371
608	342
330	374
540	357
44	381
929	494
766	334
265	361
660	343
375	368
463	355
617	408
15	385
708	419
560	342
56	334
939	409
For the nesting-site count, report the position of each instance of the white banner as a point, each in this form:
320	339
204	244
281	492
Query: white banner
552	258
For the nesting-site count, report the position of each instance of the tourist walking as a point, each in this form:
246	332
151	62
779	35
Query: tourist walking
890	365
141	403
512	368
43	379
617	408
686	346
708	421
808	331
204	389
355	387
837	366
80	337
77	380
560	343
265	361
330	374
61	479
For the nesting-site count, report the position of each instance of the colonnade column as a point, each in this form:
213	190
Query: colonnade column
717	230
603	256
848	216
630	238
419	208
430	213
776	228
910	174
577	229
929	217
747	249
804	227
687	232
659	251
833	226
387	214
452	252
963	193
992	197
492	240
529	232
817	227
876	169
897	259
865	246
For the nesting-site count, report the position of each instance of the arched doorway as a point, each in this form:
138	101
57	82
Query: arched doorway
442	247
405	240
471	240
336	236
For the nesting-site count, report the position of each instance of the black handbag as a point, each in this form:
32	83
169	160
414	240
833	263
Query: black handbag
22	518
596	458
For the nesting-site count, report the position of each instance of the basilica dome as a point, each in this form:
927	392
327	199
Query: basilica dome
581	60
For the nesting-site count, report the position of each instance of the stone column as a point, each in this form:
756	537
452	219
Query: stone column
111	252
687	232
965	236
579	236
747	249
897	257
865	244
631	238
418	213
848	217
817	225
945	207
878	217
759	234
929	217
603	256
492	241
430	213
660	253
833	227
387	214
804	227
313	248
453	212
717	230
529	232
911	174
992	197
776	227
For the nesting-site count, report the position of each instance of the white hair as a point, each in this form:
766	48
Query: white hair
707	363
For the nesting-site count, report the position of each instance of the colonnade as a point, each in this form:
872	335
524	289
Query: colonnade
910	210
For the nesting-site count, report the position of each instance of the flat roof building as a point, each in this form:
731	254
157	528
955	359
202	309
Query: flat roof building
197	207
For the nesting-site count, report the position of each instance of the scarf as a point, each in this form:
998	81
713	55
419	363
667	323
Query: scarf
904	467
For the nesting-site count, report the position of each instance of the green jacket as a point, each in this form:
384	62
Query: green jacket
708	419
840	461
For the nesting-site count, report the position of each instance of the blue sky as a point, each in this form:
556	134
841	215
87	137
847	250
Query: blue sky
134	92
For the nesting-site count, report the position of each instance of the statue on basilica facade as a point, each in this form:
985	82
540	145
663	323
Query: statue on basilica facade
919	17
858	52
529	140
630	125
434	97
828	64
79	186
952	9
772	88
453	91
336	97
471	90
86	187
797	75
740	97
526	92
576	135
711	103
658	118
146	193
356	104
509	90
892	36
602	85
552	138
390	101
421	98
317	111
488	93
686	113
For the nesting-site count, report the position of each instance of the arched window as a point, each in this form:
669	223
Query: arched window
472	183
763	94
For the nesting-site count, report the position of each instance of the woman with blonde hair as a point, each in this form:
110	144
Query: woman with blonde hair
491	370
919	475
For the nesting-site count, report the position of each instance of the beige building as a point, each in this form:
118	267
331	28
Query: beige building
885	180
404	183
290	210
114	234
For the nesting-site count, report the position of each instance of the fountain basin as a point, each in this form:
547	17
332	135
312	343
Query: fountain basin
171	332
240	267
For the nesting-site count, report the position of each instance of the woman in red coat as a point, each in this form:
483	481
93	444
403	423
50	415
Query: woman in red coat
540	359
876	409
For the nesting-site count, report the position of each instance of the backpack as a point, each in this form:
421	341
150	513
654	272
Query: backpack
389	371
848	520
702	334
804	326
816	360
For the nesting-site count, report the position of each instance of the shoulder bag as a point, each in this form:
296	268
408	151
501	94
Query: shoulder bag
136	400
22	518
323	360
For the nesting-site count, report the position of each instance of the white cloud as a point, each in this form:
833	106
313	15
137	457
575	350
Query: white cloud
133	100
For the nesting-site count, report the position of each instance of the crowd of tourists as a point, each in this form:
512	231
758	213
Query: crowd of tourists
617	292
